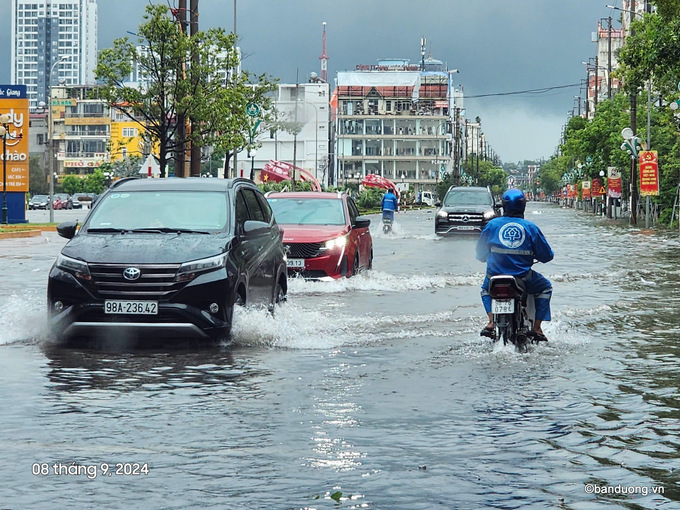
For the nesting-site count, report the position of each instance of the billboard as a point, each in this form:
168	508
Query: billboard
585	190
14	101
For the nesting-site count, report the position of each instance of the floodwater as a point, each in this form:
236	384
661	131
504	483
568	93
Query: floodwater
373	392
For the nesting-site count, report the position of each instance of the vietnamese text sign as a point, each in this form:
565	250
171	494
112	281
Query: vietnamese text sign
614	185
649	173
14	101
585	190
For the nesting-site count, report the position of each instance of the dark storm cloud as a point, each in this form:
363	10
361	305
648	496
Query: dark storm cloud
497	45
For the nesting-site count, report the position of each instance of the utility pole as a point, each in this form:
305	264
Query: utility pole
179	146
609	59
195	164
633	126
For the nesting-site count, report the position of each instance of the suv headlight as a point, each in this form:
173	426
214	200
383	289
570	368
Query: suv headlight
489	215
338	242
78	268
189	270
442	213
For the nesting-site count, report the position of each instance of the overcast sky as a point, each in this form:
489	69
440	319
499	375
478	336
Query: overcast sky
498	46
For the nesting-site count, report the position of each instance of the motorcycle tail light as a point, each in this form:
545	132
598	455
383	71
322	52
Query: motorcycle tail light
503	291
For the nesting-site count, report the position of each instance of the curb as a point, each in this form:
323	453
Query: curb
20	233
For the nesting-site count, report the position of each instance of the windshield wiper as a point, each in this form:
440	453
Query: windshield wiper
169	230
107	230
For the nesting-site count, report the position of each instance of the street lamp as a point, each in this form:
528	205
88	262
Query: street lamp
251	154
50	134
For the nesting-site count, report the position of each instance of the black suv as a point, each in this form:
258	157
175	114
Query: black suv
465	210
166	258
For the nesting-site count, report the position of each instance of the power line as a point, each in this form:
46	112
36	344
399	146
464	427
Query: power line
528	91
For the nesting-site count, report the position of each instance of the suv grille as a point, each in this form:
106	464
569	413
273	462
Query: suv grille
303	250
471	218
157	281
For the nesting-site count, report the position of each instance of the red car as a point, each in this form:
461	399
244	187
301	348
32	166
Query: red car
324	235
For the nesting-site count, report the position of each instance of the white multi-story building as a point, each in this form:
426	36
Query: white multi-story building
302	108
57	37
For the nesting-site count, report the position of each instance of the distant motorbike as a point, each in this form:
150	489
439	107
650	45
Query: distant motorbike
387	220
513	311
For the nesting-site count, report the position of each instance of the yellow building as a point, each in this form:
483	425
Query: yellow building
126	139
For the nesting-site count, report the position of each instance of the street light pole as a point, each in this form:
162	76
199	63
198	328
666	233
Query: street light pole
50	134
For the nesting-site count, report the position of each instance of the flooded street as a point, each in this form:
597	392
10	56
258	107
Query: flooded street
374	392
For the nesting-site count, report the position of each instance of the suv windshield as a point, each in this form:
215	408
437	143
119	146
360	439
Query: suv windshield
468	198
314	211
181	210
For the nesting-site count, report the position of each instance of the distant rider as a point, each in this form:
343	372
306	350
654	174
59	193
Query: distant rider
509	244
390	204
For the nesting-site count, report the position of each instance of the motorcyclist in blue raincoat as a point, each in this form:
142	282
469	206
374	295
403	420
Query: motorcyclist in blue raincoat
509	245
389	205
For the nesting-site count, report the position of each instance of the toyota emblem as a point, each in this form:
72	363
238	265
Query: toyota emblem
131	273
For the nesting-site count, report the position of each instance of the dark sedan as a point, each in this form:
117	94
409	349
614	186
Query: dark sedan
39	202
168	258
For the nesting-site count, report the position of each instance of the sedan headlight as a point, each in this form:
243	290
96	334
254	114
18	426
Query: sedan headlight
76	267
189	270
489	215
338	242
442	213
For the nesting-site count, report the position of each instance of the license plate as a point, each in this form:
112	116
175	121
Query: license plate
299	263
466	227
499	306
131	307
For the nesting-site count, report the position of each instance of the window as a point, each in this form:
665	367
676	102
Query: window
129	132
253	205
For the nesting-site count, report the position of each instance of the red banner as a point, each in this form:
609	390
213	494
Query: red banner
585	190
649	173
597	188
613	182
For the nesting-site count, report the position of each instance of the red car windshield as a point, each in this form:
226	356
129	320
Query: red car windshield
312	211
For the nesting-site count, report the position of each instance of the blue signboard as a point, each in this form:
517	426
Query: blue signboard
13	92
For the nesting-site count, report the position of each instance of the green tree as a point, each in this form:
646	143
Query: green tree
72	184
128	166
183	76
37	176
94	182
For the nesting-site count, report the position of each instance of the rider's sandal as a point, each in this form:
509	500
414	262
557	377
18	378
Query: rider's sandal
488	332
537	337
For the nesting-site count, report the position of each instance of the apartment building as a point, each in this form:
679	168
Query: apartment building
53	42
394	119
80	130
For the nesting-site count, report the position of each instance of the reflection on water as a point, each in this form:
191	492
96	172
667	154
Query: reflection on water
379	388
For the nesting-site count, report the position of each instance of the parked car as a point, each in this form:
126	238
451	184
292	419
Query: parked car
323	233
168	257
465	209
39	202
62	201
81	200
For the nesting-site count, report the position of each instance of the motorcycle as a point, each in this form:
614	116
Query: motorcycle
387	220
513	311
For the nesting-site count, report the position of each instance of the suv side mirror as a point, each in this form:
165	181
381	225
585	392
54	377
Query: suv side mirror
255	227
67	229
362	222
